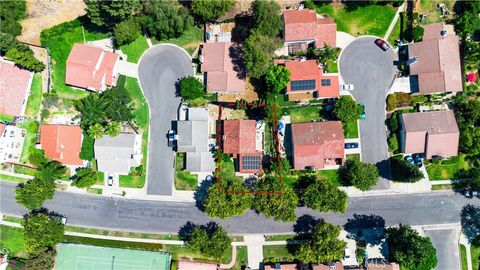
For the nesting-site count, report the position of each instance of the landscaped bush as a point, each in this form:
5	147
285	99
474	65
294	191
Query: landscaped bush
86	152
191	88
402	171
398	100
393	143
417	33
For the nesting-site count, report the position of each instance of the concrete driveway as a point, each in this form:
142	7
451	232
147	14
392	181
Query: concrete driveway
445	242
371	71
160	67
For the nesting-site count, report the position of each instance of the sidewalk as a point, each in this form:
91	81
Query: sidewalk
254	243
394	21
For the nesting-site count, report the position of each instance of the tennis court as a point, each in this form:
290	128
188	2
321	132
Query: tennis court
83	257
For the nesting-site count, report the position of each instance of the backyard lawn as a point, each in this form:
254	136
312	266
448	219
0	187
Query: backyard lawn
184	180
350	129
12	239
303	114
189	40
60	39
135	49
30	139
446	169
35	98
364	20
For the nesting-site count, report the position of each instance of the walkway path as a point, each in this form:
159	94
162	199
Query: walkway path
233	261
254	243
394	21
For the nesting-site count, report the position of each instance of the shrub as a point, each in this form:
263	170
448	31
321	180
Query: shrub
391	102
191	88
346	109
126	31
86	152
393	143
417	33
402	171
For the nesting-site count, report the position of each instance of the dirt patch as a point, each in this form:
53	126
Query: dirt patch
43	14
250	95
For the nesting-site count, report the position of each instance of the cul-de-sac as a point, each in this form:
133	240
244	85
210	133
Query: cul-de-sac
240	134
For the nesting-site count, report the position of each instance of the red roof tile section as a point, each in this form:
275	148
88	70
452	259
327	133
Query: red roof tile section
62	143
304	25
438	60
433	133
222	74
239	136
91	67
14	87
309	70
317	144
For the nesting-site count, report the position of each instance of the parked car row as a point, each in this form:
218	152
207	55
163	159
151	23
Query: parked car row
415	159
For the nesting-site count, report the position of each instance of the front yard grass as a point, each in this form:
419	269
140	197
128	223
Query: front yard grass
132	181
463	255
12	239
135	49
353	157
189	40
475	252
184	180
95	191
6	118
273	254
304	114
35	98
330	175
350	129
9	178
30	139
363	20
59	40
446	169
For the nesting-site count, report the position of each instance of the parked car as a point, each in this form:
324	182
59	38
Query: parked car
110	180
382	44
363	115
409	159
64	220
470	193
347	253
351	145
171	137
418	162
347	87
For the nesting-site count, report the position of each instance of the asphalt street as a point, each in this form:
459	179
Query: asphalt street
371	71
159	69
446	245
168	217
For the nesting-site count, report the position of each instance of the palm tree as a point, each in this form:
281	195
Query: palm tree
92	109
50	170
96	131
113	129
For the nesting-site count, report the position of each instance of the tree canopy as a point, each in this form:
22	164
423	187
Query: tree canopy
41	229
43	258
320	194
109	13
11	13
84	177
467	22
126	31
210	240
360	175
166	19
191	88
277	78
467	112
259	51
211	10
322	245
266	17
402	171
346	109
33	193
409	249
275	199
232	199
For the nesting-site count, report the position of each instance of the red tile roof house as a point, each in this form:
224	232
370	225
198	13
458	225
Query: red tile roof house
239	140
302	28
308	81
14	88
318	145
91	68
436	61
222	74
62	143
432	133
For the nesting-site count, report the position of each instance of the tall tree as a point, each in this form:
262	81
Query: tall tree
25	59
409	249
96	131
41	230
113	129
360	175
11	13
402	171
50	170
322	246
43	258
259	51
108	13
191	88
320	194
92	110
166	19
277	78
227	198
210	240
34	193
275	199
346	109
117	104
126	31
210	10
266	17
84	177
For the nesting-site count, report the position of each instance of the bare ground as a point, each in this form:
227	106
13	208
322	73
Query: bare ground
43	14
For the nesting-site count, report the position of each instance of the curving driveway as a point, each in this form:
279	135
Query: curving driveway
371	71
160	67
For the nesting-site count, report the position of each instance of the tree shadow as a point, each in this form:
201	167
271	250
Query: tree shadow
236	55
242	27
384	169
201	194
368	228
45	211
186	231
305	225
470	220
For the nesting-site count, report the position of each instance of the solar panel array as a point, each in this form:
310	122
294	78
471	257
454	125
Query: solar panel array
303	85
250	163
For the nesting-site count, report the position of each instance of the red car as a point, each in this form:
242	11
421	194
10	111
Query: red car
382	44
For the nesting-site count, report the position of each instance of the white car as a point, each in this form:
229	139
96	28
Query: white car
347	87
347	253
110	180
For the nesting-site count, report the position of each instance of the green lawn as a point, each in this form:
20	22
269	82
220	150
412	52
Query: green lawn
398	30
6	118
353	157
12	239
10	178
447	168
272	254
475	251
132	181
96	191
228	169
180	252
189	40
59	40
303	114
30	139
184	180
364	20
242	258
330	175
35	98
463	255
281	237
350	129
135	49
331	67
